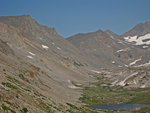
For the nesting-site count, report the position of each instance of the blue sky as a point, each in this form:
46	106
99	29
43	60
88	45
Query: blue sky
80	16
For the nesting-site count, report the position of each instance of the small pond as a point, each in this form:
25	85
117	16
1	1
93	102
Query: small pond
119	106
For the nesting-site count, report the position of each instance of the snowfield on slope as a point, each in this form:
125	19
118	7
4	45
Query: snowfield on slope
145	39
31	53
121	50
45	47
134	62
122	83
30	57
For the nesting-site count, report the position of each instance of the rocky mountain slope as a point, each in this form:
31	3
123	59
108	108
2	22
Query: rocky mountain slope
39	69
129	61
42	72
109	50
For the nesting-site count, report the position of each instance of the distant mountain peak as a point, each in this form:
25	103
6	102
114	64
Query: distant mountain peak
139	35
108	31
20	16
111	34
27	24
99	30
17	21
139	30
26	16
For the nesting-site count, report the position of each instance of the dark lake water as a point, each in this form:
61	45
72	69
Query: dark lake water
119	106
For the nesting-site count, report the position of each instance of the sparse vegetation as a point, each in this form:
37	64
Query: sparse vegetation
45	106
142	110
24	110
44	84
77	64
23	78
74	109
5	108
21	75
38	94
12	79
7	84
99	95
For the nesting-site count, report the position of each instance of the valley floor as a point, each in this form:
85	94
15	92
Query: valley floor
100	93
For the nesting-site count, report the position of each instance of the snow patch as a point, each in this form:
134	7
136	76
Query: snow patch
139	40
146	64
45	47
145	47
134	82
120	42
31	53
143	86
9	44
113	83
126	65
132	63
126	38
122	83
121	50
71	85
58	48
69	81
113	62
95	71
111	37
30	57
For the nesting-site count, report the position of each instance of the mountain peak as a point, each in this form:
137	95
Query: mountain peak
27	24
26	16
17	21
111	34
18	16
139	30
99	31
108	31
